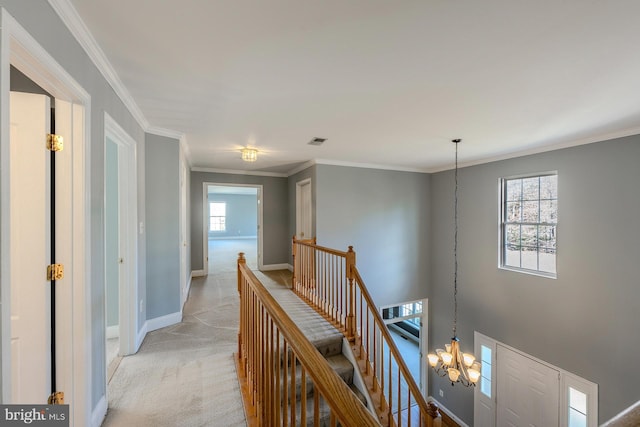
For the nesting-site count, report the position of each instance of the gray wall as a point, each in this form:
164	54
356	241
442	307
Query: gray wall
112	234
384	215
39	19
275	214
242	215
586	320
163	226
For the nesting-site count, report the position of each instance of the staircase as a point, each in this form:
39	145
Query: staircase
326	339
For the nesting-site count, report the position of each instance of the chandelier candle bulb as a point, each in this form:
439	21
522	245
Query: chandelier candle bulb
433	359
474	375
468	359
454	374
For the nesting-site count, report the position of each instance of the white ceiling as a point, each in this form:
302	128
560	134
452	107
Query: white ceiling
389	83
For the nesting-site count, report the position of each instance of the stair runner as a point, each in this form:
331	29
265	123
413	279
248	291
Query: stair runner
324	336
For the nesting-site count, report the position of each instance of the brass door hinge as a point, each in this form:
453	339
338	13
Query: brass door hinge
56	398
55	272
54	142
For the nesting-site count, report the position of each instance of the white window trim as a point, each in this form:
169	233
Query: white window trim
501	201
567	380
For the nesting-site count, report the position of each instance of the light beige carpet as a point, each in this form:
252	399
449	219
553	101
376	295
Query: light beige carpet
184	375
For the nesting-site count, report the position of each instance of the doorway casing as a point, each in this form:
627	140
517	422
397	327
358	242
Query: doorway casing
127	234
205	221
20	49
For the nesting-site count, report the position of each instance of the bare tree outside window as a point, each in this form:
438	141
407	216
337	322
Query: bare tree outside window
529	221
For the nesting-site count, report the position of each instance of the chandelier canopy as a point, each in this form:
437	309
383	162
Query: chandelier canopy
461	367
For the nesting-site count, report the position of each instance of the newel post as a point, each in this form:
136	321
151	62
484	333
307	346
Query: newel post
241	262
351	315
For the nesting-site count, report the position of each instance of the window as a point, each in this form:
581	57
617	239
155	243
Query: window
405	316
579	402
485	379
217	216
529	220
577	408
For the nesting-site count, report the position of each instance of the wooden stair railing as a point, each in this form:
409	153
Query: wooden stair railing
272	352
330	282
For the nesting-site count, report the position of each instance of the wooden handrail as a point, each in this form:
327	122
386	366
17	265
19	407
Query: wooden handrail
269	345
323	281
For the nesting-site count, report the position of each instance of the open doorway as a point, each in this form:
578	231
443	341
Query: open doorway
233	218
407	325
121	243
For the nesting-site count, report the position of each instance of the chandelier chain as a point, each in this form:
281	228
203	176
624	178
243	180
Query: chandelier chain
455	246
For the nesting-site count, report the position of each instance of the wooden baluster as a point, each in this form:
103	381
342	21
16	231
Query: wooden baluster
278	363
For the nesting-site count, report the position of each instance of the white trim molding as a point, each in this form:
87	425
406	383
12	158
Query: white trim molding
163	321
77	27
271	267
446	411
20	49
198	273
99	412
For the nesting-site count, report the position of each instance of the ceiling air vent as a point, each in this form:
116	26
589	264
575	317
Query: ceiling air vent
317	141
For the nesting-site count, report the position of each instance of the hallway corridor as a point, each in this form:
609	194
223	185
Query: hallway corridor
184	375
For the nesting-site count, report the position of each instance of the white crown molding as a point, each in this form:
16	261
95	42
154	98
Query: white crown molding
368	166
302	167
164	132
79	30
553	147
239	172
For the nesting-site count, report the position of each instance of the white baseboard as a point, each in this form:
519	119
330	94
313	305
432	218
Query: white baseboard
442	408
198	273
271	267
99	412
113	331
164	321
233	238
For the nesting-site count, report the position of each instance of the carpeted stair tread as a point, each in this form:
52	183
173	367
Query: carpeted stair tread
340	364
324	336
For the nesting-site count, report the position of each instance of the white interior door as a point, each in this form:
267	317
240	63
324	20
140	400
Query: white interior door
303	210
528	391
29	248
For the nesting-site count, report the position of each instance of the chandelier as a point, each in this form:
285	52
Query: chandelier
249	154
460	367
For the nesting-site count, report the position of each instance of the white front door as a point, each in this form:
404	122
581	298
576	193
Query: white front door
528	391
29	248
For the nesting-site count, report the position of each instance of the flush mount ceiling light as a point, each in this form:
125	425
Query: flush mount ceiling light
461	367
249	154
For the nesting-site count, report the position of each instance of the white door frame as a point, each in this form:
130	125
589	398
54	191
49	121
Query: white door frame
184	239
128	234
19	48
300	209
567	379
205	221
